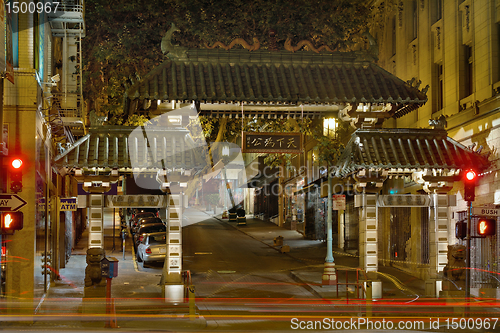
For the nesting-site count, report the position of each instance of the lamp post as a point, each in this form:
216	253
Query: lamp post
329	274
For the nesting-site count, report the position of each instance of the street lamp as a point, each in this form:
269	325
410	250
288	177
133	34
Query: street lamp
329	275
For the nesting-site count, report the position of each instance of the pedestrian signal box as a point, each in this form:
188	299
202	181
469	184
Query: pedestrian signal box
486	227
461	230
11	221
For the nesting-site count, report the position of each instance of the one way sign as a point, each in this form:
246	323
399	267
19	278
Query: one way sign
11	202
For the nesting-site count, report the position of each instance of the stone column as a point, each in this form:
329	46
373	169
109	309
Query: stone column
172	268
96	216
439	222
368	237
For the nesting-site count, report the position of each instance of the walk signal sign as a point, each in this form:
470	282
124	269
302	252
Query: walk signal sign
11	221
486	227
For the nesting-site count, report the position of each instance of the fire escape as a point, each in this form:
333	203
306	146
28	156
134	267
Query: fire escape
67	117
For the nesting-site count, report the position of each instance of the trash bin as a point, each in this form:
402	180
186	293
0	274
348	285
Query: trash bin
233	215
242	220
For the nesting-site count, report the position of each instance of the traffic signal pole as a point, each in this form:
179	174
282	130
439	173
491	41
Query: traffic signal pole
467	256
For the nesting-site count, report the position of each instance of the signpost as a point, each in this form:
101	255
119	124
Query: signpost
11	202
480	211
67	204
109	269
338	202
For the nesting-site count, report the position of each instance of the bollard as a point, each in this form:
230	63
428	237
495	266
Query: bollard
368	290
110	307
124	236
192	304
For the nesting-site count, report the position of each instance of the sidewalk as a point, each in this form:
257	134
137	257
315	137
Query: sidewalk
395	283
135	296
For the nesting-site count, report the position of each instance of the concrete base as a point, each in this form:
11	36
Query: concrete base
173	293
456	300
329	276
488	293
376	289
433	288
95	291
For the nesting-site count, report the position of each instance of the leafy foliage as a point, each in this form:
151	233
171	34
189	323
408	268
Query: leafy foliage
122	41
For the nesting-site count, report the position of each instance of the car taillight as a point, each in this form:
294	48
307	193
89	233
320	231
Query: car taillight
141	238
148	250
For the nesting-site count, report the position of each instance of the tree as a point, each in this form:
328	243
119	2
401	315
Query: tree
122	41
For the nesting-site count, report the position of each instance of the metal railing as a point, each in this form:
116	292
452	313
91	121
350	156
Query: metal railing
358	285
69	6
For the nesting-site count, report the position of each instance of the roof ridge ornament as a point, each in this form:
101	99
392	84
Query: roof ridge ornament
439	123
171	50
251	47
305	42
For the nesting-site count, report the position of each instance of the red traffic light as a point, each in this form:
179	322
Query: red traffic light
470	175
470	178
12	221
486	227
17	163
16	175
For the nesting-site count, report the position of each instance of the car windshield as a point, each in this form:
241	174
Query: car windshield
150	220
152	228
157	239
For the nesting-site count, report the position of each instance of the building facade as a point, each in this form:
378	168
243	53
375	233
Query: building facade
42	51
453	47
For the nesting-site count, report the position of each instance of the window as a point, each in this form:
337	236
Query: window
437	10
393	39
414	20
440	87
468	67
329	127
36	43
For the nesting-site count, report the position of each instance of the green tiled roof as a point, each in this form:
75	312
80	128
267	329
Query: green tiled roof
122	148
381	149
264	77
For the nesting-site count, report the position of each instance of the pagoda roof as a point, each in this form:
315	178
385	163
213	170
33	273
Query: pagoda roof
270	78
127	149
407	149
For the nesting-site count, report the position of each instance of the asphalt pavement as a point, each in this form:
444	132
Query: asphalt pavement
395	283
137	299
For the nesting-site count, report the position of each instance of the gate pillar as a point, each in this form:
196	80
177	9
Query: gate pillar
439	223
96	217
172	268
368	231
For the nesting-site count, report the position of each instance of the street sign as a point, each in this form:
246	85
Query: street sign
485	211
67	204
266	142
11	202
338	202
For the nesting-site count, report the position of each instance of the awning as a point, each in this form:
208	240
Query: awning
383	149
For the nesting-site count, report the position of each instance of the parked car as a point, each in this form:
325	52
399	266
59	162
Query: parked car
137	216
147	229
152	248
144	220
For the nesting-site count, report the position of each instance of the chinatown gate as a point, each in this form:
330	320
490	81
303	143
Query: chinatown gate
234	83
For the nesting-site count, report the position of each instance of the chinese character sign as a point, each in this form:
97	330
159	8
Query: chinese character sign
290	143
